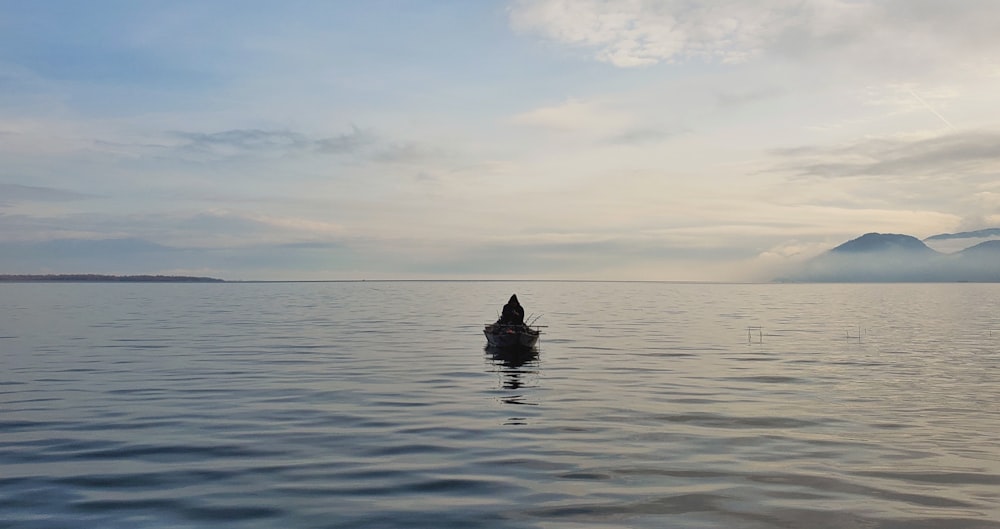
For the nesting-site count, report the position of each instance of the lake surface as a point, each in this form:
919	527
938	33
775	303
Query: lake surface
375	405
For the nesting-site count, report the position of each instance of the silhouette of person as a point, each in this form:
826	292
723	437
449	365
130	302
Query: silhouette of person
513	313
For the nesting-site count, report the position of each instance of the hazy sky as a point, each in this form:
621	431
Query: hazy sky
657	140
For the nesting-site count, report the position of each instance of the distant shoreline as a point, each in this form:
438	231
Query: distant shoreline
103	278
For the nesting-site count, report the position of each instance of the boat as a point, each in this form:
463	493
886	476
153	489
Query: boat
506	336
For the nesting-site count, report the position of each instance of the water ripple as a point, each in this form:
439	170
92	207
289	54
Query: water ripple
354	405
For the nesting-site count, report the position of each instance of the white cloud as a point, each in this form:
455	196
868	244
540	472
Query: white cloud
631	33
643	32
574	115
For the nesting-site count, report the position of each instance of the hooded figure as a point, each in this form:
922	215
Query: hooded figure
513	313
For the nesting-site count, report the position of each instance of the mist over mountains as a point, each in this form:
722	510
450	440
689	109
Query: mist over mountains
891	257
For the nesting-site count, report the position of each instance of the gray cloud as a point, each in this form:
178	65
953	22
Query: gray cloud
405	153
348	143
249	247
28	228
158	243
125	255
202	229
642	136
139	256
245	139
734	99
10	193
977	234
569	258
960	154
358	143
258	142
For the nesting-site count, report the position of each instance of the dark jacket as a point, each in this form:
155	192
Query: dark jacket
513	313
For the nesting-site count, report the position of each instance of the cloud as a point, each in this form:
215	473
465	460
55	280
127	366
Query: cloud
20	193
351	142
633	33
642	136
565	256
571	115
217	227
952	155
44	138
243	140
37	227
930	184
139	256
738	98
259	142
955	242
403	153
105	256
228	228
641	32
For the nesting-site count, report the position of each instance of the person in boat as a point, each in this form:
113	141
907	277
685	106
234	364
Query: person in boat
513	313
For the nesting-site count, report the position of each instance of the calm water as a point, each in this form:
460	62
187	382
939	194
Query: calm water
374	405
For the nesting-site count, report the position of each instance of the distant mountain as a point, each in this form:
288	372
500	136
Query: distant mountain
980	263
891	257
884	242
983	249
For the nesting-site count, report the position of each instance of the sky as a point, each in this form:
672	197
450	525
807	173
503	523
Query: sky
525	139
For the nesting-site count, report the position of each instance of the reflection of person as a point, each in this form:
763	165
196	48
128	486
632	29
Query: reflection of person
513	313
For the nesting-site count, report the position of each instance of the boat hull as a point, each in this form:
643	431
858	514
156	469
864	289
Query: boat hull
511	336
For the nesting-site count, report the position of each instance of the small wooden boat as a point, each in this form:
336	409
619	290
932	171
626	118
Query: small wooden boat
511	336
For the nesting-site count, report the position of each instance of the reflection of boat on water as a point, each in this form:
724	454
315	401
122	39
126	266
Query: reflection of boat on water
515	365
511	359
505	336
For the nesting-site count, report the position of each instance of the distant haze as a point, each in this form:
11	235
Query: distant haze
901	258
494	139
